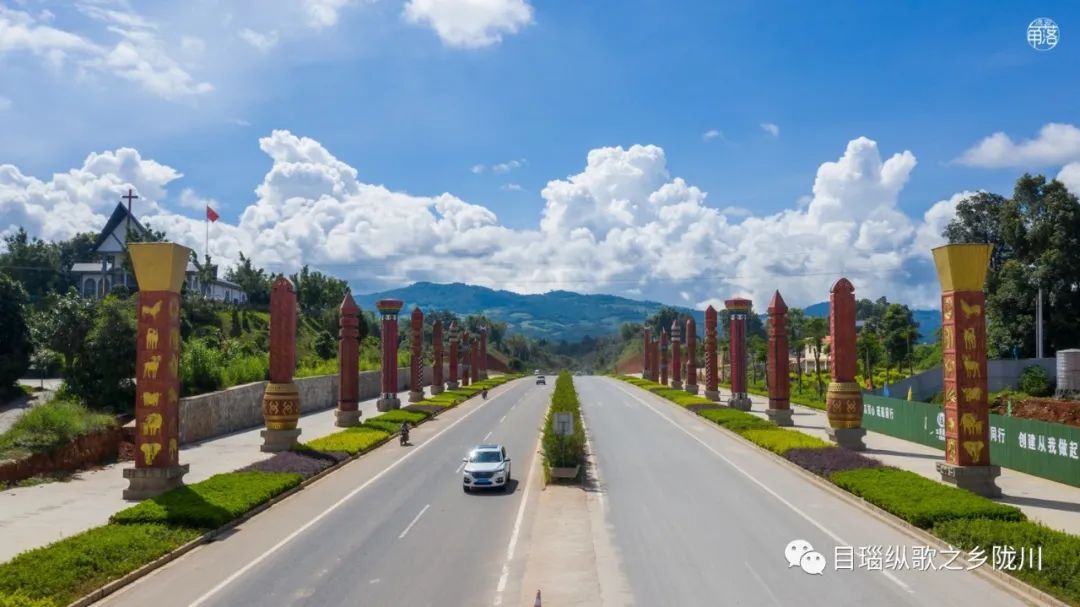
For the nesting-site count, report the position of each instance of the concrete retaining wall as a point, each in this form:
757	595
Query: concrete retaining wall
240	407
1000	374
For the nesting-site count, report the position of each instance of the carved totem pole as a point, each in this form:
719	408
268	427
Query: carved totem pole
389	309
646	352
281	400
416	356
691	356
779	410
466	358
455	337
348	412
712	391
159	270
663	356
739	308
961	270
843	400
437	351
676	356
483	353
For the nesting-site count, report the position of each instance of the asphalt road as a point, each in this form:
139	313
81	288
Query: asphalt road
361	536
700	518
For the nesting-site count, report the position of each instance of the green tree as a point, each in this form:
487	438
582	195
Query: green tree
630	331
62	322
796	324
206	271
102	371
898	331
32	262
1035	235
15	347
868	346
316	291
815	330
255	282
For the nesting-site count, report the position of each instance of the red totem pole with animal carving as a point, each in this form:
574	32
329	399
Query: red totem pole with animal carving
437	352
739	309
159	270
416	356
961	271
676	355
281	400
843	399
712	391
389	309
663	356
455	337
348	412
779	410
691	356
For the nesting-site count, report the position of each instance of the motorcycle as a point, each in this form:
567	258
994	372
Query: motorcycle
484	394
404	437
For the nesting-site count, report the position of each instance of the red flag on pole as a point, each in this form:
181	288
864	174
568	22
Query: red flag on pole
211	214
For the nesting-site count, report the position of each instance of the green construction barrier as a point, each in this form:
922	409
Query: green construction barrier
1039	448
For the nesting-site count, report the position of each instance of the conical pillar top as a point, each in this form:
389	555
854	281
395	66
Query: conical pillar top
348	306
777	305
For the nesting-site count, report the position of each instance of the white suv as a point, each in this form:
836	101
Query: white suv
486	466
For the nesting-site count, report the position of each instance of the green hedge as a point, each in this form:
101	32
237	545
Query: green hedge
780	441
1060	574
210	503
396	416
563	451
50	426
735	420
352	440
80	564
20	599
919	500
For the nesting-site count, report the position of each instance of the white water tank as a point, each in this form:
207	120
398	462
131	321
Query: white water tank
1068	373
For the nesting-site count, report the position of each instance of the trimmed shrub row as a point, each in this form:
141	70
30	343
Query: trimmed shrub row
563	451
961	518
351	440
210	503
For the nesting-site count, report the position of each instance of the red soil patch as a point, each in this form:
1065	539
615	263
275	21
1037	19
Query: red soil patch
1045	409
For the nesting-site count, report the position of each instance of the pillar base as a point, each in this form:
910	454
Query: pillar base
691	388
848	438
676	385
976	479
713	395
144	483
436	389
415	397
739	401
388	403
452	384
346	419
780	417
276	441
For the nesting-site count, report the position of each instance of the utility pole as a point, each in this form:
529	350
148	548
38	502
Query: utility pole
1039	325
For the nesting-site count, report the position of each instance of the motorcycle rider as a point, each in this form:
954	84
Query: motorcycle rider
484	393
404	433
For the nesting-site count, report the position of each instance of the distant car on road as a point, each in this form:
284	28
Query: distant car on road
536	372
540	380
486	466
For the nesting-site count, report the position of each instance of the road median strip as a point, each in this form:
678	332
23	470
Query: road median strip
954	516
563	452
86	567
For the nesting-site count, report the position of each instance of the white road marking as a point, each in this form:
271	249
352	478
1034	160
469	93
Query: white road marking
486	436
517	528
374	581
422	511
767	489
262	557
763	584
460	467
502	419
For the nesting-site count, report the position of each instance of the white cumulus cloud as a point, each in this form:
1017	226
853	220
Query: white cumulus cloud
323	13
470	23
262	42
623	224
711	134
1056	144
771	129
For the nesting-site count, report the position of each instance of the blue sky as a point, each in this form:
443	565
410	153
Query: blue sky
414	110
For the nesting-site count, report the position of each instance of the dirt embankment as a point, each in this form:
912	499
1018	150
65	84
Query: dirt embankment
1044	409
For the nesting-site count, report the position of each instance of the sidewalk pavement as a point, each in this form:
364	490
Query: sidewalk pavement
42	514
1052	503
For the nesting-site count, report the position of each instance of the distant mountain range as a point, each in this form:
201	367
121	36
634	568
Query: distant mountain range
929	320
560	315
555	316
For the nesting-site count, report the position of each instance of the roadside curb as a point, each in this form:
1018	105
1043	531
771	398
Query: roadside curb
209	536
1014	586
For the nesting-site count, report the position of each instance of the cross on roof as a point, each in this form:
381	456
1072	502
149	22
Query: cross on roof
129	197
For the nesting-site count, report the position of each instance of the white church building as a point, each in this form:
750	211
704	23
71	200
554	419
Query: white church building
97	278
